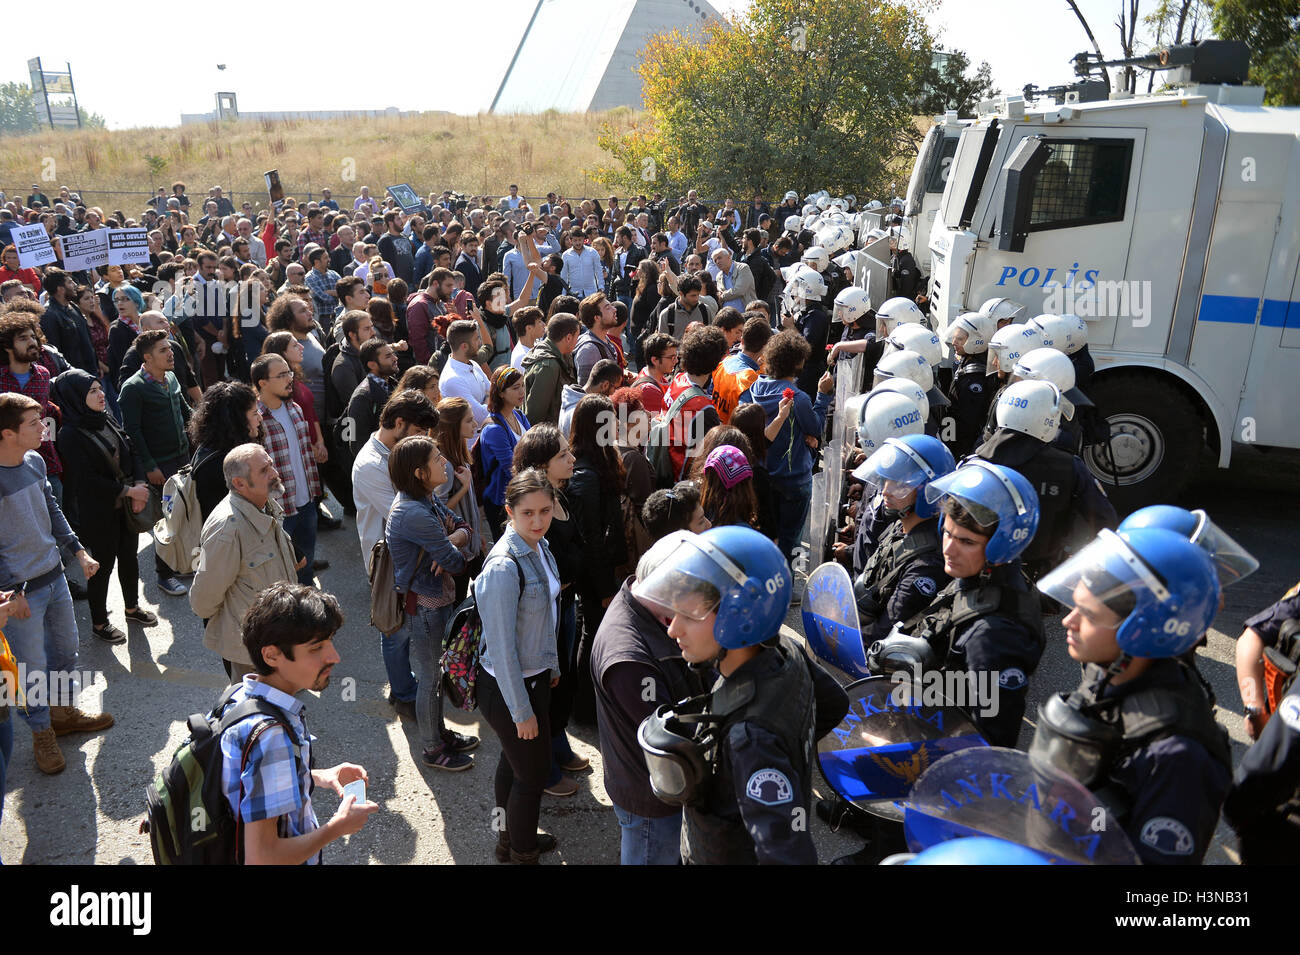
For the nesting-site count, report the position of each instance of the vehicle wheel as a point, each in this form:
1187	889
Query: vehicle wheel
1155	440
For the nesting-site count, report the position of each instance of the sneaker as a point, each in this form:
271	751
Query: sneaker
320	564
327	521
108	633
444	758
142	616
49	758
69	719
575	763
459	742
403	707
565	787
172	587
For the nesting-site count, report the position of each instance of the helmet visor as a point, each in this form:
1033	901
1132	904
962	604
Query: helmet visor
894	463
1232	561
970	486
690	581
1105	575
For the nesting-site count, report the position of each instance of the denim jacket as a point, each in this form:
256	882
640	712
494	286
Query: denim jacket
518	629
415	522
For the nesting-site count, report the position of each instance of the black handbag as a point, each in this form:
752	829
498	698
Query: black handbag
141	521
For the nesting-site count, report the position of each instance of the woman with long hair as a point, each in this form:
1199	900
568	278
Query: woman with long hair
506	424
751	421
543	447
290	349
645	306
633	427
226	418
99	326
608	264
727	488
517	594
422	378
425	558
102	477
455	430
716	437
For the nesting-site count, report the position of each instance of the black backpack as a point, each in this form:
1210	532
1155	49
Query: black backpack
189	819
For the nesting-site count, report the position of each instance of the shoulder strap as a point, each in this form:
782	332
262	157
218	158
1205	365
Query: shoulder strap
694	391
107	452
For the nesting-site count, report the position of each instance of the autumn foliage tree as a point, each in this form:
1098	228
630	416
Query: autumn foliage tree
791	94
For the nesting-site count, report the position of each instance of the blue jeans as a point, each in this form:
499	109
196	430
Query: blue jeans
6	748
47	643
396	650
425	630
791	502
649	841
301	529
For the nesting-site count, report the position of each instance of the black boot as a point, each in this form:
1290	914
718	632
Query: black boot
545	843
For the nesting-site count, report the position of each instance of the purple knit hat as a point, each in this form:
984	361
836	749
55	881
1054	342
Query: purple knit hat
729	463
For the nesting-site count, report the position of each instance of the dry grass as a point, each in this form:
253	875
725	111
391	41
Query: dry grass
471	154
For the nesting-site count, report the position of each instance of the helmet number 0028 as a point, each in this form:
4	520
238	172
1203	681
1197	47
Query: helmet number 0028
774	583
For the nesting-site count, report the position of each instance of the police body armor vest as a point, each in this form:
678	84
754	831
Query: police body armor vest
782	704
972	365
893	555
939	623
1152	714
1050	471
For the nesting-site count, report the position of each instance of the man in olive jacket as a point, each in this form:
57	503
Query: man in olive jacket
243	550
549	367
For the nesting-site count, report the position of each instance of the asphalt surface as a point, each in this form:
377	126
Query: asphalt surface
91	812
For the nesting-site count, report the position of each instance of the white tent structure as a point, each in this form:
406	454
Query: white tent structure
609	36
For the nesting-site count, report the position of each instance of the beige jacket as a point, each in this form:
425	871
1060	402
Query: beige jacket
242	552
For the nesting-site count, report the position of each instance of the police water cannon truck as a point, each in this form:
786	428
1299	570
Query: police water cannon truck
1171	223
925	188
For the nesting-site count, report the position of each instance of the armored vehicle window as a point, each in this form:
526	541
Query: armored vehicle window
1084	182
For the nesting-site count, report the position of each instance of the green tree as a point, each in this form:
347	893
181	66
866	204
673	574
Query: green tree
17	110
948	86
1272	29
790	94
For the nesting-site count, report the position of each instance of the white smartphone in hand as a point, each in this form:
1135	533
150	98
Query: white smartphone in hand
355	788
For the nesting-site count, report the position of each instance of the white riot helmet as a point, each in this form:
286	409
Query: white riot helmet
1048	364
915	338
1031	407
791	194
979	328
793	223
809	210
823	202
1008	344
850	305
889	415
1003	310
850	200
894	312
809	281
905	387
834	238
913	367
874	204
816	257
871	235
1056	332
1077	330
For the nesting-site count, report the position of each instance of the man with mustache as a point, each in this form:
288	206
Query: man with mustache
266	772
243	550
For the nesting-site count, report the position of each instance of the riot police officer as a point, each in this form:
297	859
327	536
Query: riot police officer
986	622
1074	507
892	313
905	570
739	758
972	385
905	276
1006	346
1048	364
1140	731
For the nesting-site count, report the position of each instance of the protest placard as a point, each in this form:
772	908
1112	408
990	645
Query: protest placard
128	247
85	250
33	244
406	197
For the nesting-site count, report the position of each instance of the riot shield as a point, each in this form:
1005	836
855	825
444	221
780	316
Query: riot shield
830	620
1004	793
891	735
828	486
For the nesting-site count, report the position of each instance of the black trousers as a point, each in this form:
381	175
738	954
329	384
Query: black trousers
525	763
114	543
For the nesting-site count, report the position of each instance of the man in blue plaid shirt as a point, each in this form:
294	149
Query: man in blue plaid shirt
288	633
322	279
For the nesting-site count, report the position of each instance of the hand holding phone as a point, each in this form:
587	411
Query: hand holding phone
356	788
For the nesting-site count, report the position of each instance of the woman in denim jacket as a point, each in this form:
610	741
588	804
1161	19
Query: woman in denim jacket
520	664
419	522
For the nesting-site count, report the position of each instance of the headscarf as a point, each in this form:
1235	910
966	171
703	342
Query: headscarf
69	391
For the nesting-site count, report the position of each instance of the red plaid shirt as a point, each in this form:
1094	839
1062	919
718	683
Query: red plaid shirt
306	237
277	445
38	387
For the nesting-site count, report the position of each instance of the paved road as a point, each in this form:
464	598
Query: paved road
90	813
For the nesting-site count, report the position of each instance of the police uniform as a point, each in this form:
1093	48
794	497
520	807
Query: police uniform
1269	621
1072	503
900	579
1172	765
1084	367
1263	804
989	623
972	388
814	325
905	275
756	804
873	521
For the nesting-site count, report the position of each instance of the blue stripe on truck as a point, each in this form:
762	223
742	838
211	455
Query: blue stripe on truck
1240	310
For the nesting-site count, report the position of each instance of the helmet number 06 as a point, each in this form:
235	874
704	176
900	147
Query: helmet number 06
1176	627
774	583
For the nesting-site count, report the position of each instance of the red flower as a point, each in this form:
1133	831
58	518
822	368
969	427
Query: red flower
788	394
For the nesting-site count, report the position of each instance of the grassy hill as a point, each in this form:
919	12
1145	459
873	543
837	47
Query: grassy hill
471	154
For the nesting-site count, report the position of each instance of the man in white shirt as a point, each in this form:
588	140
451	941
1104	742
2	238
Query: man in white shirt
677	241
511	201
529	324
406	413
582	270
256	250
462	377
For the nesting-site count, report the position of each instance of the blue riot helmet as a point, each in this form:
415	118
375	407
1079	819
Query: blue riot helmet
911	461
992	494
979	850
1231	560
1161	585
735	571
